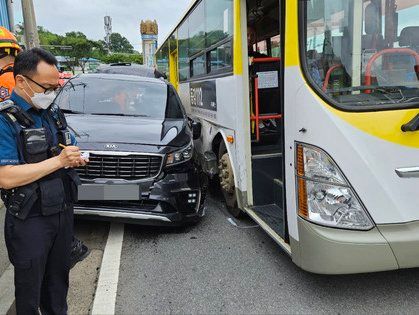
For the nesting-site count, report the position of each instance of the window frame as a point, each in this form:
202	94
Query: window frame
226	40
217	73
206	52
302	23
201	2
188	73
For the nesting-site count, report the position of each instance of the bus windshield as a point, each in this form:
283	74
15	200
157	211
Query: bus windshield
364	52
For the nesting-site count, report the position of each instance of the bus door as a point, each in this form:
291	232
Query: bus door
266	114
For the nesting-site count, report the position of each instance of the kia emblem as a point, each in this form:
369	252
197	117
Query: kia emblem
111	146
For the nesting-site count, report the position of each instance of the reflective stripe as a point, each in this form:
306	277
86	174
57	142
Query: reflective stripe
12	41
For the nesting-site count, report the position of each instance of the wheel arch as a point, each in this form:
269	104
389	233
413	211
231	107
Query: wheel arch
217	140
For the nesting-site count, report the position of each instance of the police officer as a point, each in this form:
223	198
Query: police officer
39	185
9	48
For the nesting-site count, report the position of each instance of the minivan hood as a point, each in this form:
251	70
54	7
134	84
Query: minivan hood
133	130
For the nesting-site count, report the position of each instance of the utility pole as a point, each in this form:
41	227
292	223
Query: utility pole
29	24
11	15
108	32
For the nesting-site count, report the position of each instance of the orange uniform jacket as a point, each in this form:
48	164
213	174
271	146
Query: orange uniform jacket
7	82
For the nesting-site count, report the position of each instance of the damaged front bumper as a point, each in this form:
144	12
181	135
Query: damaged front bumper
175	197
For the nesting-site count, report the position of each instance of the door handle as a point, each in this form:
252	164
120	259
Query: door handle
412	125
408	172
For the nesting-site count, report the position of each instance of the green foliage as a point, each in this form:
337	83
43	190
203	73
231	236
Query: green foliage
120	44
76	45
131	58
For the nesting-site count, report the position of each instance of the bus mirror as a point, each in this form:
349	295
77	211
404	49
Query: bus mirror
196	129
372	19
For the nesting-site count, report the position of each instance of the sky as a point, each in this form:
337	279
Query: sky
61	16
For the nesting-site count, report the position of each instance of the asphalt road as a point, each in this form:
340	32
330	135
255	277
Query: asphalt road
215	267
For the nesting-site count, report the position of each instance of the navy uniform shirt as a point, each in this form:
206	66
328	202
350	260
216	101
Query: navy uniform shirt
9	153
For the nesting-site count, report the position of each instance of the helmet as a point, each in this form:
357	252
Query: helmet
8	42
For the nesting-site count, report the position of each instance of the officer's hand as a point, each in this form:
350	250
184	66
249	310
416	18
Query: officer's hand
70	157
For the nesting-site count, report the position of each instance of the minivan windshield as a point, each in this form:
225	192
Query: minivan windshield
363	52
113	96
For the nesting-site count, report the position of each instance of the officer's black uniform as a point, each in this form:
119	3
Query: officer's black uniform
39	218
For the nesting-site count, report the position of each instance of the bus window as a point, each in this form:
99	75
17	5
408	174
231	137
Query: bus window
276	46
220	58
197	30
198	66
262	47
219	20
162	58
183	37
363	54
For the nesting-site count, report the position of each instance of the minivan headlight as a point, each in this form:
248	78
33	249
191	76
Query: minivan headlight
324	195
180	156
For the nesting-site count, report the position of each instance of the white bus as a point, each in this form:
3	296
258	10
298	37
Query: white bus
310	118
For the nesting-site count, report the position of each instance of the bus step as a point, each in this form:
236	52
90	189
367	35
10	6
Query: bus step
273	216
266	155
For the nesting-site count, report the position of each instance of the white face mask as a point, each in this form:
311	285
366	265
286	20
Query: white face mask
41	100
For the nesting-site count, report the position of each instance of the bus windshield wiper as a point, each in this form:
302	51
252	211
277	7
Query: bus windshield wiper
379	88
393	93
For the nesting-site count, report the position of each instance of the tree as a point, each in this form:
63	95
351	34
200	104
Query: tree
131	58
120	44
77	48
81	47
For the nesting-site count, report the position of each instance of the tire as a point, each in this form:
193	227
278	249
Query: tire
229	193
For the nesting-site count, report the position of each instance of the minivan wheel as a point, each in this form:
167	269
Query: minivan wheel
226	177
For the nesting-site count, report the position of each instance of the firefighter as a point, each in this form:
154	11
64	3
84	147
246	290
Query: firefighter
9	48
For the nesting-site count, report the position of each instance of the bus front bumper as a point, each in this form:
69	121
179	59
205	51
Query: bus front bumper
335	251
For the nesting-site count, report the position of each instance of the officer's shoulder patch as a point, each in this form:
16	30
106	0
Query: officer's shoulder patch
6	104
4	92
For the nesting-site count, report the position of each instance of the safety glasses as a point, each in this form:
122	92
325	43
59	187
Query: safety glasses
47	91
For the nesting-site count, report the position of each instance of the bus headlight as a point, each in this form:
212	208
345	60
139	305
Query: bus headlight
324	195
180	156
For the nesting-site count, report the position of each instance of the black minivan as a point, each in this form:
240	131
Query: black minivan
140	145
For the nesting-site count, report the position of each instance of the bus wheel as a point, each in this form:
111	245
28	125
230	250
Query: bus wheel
226	177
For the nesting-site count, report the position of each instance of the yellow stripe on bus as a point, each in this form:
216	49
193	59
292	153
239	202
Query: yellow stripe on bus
385	125
237	55
291	33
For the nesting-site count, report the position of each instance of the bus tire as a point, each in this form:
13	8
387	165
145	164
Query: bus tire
226	179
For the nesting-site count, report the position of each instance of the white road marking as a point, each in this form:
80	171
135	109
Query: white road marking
7	290
107	286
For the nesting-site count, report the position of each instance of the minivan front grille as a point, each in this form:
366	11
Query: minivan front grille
127	167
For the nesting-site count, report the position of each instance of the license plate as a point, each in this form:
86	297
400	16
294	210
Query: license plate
109	192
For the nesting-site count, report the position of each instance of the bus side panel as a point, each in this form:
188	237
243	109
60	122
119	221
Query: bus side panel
226	120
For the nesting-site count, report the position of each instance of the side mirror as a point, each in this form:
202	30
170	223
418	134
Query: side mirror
196	127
